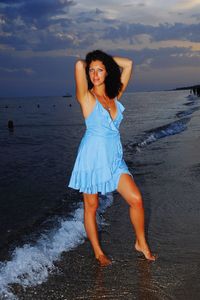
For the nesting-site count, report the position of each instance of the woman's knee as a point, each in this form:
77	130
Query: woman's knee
90	207
135	199
91	203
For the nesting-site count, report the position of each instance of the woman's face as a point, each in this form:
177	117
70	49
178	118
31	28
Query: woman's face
97	72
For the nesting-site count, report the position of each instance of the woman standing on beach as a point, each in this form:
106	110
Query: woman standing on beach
99	166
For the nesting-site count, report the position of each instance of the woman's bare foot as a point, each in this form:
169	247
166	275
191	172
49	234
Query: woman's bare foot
145	250
103	260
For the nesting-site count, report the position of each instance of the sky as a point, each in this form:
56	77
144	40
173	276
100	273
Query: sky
40	40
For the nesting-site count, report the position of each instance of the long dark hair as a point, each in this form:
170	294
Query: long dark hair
113	83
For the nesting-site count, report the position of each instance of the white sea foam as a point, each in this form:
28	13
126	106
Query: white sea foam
192	97
30	265
164	131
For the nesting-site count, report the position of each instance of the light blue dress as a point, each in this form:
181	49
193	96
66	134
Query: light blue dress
99	161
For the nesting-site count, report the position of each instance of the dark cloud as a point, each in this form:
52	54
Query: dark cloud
36	12
127	31
42	25
36	25
89	16
99	11
44	8
11	2
163	58
196	16
38	40
178	31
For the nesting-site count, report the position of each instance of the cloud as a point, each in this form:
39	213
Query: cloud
47	26
185	4
36	25
177	31
35	12
89	16
38	9
196	16
26	71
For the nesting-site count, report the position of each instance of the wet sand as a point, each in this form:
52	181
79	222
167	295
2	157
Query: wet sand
168	174
80	277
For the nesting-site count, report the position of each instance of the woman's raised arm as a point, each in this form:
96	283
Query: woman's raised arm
126	65
81	80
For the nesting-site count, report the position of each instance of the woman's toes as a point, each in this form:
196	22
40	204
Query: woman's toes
104	260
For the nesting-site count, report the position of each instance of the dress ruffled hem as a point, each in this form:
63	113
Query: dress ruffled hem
84	185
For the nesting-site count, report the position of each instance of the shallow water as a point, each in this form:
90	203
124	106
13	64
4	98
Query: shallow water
160	134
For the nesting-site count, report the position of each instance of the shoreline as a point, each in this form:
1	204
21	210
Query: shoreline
167	172
79	276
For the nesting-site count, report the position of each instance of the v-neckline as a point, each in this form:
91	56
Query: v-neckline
113	119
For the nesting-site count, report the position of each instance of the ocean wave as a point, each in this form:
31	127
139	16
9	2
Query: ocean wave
30	265
187	112
155	134
192	97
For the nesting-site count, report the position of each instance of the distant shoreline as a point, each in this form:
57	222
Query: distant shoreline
68	95
187	87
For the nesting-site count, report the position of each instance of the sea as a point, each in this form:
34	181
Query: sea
44	252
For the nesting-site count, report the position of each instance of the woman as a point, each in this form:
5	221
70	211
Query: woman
99	166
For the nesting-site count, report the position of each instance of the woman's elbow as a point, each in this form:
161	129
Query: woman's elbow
130	63
80	64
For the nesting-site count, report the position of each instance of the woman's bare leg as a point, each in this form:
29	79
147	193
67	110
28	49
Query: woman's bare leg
91	203
130	192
